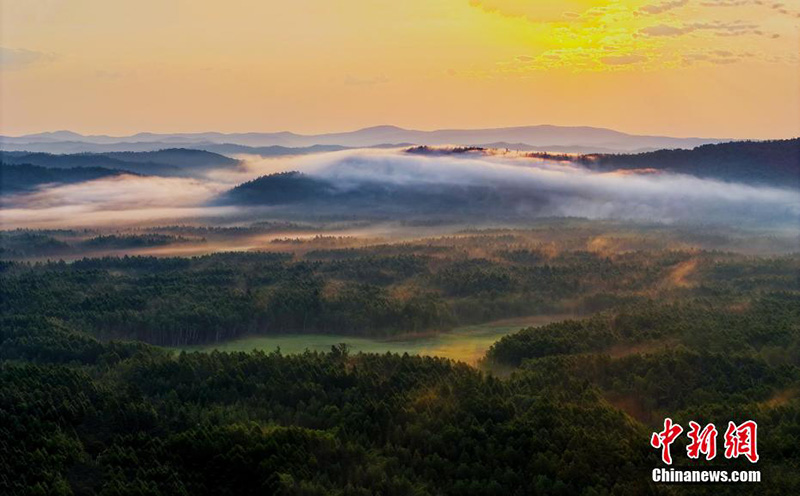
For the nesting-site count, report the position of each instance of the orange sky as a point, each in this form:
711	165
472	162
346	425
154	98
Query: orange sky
714	68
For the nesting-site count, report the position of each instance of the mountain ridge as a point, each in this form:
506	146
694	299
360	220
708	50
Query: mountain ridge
165	162
544	135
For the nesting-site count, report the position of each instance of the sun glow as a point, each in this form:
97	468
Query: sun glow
681	67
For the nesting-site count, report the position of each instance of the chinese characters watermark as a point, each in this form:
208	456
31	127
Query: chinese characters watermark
739	440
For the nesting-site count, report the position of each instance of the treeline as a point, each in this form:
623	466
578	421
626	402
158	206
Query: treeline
18	178
767	325
687	361
775	162
166	162
704	336
177	301
128	419
78	416
371	291
21	244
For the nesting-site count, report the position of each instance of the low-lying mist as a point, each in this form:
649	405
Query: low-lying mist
546	188
521	188
116	201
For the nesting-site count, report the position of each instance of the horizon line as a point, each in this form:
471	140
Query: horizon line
378	126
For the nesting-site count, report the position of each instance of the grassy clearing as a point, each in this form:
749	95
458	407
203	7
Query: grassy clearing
467	344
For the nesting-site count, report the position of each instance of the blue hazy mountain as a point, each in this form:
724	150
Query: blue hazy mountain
168	162
545	137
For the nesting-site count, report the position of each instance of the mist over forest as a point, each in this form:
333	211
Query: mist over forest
455	185
561	259
380	312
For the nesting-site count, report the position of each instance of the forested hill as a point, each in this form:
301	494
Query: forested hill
22	177
178	157
763	162
385	197
279	188
170	162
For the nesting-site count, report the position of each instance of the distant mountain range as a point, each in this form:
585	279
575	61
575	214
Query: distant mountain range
544	137
229	149
169	162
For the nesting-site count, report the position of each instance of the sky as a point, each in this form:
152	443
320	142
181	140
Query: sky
706	68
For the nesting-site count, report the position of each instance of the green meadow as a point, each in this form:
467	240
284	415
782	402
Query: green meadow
467	343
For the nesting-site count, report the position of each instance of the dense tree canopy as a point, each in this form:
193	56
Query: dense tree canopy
567	408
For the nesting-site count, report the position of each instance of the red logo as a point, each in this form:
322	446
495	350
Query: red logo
704	441
665	438
740	440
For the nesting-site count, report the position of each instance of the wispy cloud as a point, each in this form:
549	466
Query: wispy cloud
543	11
623	36
112	201
19	58
659	8
719	57
726	3
735	28
623	59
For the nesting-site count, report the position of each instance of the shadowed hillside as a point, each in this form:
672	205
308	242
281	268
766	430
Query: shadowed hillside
169	162
765	162
22	177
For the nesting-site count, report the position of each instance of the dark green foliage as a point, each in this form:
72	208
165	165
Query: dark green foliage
377	291
571	414
114	241
310	424
770	162
769	324
176	301
23	243
16	178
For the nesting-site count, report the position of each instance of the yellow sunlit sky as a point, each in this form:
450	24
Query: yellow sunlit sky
711	68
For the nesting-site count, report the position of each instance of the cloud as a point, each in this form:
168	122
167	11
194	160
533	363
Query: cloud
719	57
659	8
605	57
19	58
664	30
653	30
623	59
736	28
126	191
778	7
542	10
725	3
112	201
